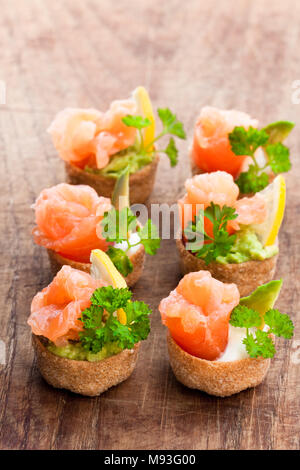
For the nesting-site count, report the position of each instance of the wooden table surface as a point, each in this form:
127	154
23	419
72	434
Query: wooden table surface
237	53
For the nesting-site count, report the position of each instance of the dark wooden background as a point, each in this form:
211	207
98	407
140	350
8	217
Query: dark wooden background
237	53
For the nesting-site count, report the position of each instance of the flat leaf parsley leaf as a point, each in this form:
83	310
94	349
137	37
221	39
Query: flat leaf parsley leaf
246	142
221	242
244	317
260	343
252	182
172	152
149	237
111	299
279	323
279	157
171	126
136	121
101	325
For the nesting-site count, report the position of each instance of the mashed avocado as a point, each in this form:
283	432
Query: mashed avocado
246	248
78	353
129	157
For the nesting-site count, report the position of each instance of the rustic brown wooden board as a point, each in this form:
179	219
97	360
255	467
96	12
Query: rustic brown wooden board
234	53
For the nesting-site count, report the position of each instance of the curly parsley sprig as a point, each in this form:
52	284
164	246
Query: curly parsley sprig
171	126
117	226
221	242
260	342
246	142
101	325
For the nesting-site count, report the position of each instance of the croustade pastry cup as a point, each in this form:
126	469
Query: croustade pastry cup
84	377
140	183
137	259
247	276
221	379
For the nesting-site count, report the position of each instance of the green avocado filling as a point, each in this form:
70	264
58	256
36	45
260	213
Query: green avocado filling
247	247
129	158
76	352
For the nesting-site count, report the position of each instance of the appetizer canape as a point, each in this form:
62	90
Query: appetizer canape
230	141
86	334
217	342
235	239
72	220
97	147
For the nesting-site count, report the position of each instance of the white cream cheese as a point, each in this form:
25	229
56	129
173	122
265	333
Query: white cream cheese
133	239
235	349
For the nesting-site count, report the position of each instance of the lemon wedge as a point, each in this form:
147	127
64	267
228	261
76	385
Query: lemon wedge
142	99
274	195
103	268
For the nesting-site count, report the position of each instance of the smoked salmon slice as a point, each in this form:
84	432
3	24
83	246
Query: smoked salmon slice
55	311
219	187
90	137
67	217
211	149
197	314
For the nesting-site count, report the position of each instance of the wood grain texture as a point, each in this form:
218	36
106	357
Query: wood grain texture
229	53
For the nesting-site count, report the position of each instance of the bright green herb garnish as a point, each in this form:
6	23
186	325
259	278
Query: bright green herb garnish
101	325
221	242
279	157
259	343
117	226
136	121
149	237
171	126
246	142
